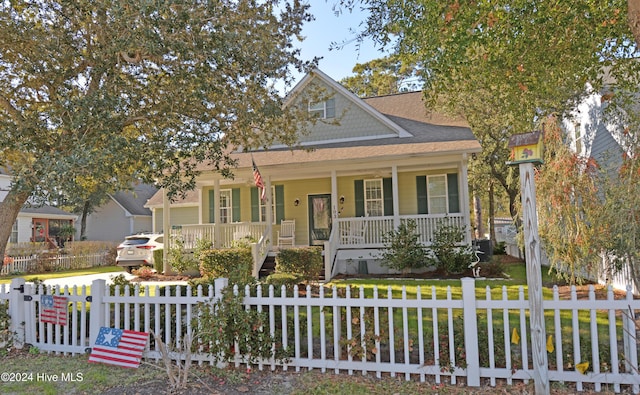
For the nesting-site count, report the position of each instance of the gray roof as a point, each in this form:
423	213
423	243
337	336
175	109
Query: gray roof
44	210
134	200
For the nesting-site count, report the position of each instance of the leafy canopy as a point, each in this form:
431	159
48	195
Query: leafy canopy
97	91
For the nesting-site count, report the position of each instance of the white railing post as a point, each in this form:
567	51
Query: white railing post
255	254
98	308
470	331
218	285
16	311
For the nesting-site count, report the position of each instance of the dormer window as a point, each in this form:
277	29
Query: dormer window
323	110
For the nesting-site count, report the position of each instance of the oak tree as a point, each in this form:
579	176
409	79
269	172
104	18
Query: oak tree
93	91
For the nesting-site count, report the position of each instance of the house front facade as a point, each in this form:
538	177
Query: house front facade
372	165
39	224
123	214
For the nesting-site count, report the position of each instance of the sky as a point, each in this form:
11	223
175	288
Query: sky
328	28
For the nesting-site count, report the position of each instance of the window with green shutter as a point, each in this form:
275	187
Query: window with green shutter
438	194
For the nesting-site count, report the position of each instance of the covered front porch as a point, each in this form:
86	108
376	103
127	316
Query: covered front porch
353	233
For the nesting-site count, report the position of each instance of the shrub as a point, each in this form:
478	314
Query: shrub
144	272
236	264
158	260
500	248
450	255
303	262
289	280
403	249
121	281
226	327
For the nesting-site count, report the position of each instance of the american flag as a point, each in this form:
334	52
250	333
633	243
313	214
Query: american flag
53	309
119	347
257	178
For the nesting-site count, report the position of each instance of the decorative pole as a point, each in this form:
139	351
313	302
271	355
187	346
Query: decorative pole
526	149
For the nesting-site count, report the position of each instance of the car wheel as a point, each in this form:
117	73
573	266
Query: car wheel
129	269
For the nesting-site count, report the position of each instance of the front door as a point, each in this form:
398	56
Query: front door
319	218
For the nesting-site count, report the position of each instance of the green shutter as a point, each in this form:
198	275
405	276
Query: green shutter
421	188
235	204
212	207
452	188
387	193
358	186
255	205
279	203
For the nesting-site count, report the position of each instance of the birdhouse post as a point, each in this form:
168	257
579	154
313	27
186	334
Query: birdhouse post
526	150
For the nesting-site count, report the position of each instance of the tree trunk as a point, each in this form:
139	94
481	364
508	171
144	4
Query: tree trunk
9	209
633	15
477	212
83	220
492	215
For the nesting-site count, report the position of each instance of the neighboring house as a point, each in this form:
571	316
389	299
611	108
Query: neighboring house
592	134
35	223
384	161
122	215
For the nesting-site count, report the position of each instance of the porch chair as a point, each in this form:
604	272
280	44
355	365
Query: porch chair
354	234
287	233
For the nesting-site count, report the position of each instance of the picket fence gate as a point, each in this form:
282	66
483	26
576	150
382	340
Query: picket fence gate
426	336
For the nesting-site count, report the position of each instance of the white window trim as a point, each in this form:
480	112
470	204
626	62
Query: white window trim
446	194
261	205
229	208
320	108
366	201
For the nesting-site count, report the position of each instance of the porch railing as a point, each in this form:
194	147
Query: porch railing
227	233
368	232
259	251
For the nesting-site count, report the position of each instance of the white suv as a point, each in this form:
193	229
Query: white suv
137	250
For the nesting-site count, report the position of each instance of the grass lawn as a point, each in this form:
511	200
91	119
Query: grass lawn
67	273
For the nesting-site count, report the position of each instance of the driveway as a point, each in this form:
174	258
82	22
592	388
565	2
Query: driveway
88	279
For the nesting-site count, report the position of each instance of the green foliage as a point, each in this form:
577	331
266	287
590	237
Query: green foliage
226	324
121	282
6	337
158	260
504	65
97	113
380	77
403	250
303	262
500	248
450	254
236	264
289	280
184	260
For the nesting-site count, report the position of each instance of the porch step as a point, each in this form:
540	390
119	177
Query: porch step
268	267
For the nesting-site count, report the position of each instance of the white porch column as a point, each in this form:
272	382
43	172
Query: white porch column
334	194
396	199
200	200
216	213
166	230
269	205
464	195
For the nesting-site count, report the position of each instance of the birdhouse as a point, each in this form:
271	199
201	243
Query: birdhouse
526	147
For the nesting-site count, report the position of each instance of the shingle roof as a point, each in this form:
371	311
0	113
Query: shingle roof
134	201
410	105
45	210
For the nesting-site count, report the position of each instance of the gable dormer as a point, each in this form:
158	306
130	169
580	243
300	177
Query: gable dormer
340	115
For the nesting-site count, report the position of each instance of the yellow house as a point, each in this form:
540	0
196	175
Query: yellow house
383	161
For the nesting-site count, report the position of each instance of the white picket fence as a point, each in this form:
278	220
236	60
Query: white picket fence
425	336
29	264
